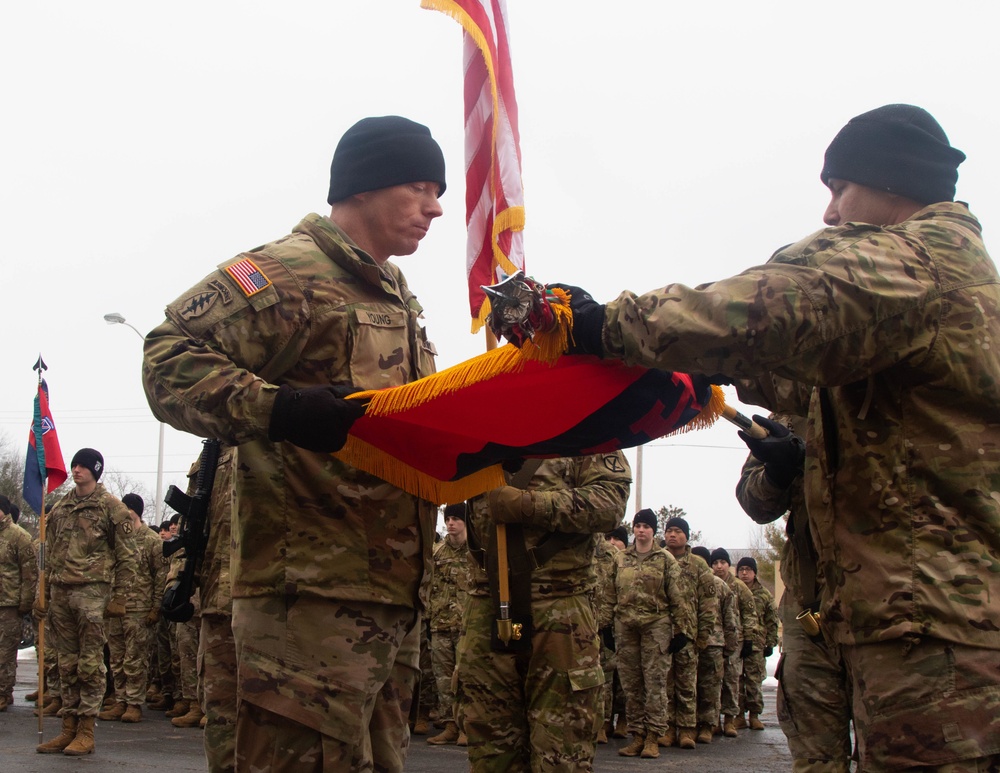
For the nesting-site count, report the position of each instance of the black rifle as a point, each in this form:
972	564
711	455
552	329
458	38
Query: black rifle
193	537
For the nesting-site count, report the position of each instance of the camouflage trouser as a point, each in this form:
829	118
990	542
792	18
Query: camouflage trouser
323	685
76	617
710	671
682	688
537	710
129	640
927	703
643	663
814	703
10	637
428	680
609	664
165	656
443	646
754	672
186	637
217	690
732	672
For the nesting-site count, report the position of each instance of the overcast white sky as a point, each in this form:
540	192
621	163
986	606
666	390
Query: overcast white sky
144	144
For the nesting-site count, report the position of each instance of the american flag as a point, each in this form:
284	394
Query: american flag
250	278
494	199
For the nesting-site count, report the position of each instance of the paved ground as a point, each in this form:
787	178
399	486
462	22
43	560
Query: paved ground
155	745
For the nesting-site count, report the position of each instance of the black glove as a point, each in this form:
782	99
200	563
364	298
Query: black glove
783	454
747	650
588	322
768	651
314	418
678	643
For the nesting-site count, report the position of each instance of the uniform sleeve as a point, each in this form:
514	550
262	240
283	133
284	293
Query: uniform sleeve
748	612
158	571
682	608
806	317
770	622
730	622
593	503
707	605
29	571
759	498
126	563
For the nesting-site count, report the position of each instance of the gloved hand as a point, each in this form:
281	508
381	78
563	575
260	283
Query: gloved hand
510	505
513	466
153	616
39	613
115	607
678	643
588	322
768	651
783	454
747	650
314	418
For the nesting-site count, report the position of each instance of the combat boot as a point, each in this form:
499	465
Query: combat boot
635	746
447	736
180	709
421	726
740	722
729	726
668	739
755	723
463	739
685	738
192	718
204	721
114	713
51	708
32	696
133	713
602	734
621	727
704	734
84	741
62	740
165	703
650	749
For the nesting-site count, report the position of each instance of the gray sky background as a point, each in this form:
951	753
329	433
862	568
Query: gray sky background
144	144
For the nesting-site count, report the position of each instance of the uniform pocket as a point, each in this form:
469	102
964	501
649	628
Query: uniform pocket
585	678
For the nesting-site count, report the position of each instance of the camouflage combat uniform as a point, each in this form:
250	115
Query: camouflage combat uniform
18	580
540	710
651	607
896	327
711	660
755	666
682	678
445	608
746	618
184	645
327	560
130	638
604	611
814	702
90	558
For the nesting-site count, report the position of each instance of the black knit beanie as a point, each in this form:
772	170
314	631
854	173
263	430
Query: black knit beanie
720	553
702	551
647	517
381	152
681	524
901	149
620	533
456	510
747	561
91	459
134	502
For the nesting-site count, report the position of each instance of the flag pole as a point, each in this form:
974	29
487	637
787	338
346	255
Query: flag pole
40	366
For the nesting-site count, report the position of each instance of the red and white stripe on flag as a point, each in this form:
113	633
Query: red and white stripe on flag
494	199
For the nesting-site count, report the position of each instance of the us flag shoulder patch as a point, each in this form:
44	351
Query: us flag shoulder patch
248	276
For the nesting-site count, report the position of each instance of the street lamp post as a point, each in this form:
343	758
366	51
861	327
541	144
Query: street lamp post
117	319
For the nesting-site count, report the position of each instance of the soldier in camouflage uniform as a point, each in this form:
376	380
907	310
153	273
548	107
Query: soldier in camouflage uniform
889	314
654	619
90	566
755	664
446	606
682	678
130	637
328	561
18	578
746	620
539	708
814	702
721	644
163	698
604	611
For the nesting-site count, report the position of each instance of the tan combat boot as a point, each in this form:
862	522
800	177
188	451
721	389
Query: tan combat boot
32	696
114	713
180	709
165	703
3	704
729	726
602	734
192	718
650	749
685	738
51	708
621	727
447	736
635	746
62	740
421	726
204	721
84	741
463	739
755	723
133	713
704	734
740	723
668	739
